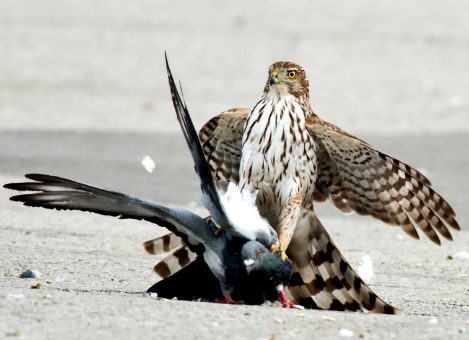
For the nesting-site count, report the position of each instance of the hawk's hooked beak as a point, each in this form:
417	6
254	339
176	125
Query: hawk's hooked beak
274	79
248	264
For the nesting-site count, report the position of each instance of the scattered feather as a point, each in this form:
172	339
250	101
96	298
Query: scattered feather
462	254
30	274
345	332
148	164
365	269
329	318
63	277
433	320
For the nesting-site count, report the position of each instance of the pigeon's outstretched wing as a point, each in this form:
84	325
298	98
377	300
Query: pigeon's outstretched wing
63	194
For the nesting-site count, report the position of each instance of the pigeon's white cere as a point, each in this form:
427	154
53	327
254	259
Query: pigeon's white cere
248	262
148	163
365	269
242	211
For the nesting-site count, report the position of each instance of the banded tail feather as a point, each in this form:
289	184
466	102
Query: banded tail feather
174	262
323	278
163	244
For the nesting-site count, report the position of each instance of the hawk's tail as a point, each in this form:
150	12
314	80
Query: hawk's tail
192	281
322	278
163	244
174	262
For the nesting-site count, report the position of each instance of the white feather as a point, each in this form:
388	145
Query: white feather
462	254
365	269
242	211
148	163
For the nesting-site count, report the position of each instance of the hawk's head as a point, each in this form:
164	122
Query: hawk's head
287	77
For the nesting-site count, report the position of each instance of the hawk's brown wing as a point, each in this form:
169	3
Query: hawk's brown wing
353	175
221	140
357	177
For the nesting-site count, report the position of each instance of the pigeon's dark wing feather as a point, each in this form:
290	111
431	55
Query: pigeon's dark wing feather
63	194
211	199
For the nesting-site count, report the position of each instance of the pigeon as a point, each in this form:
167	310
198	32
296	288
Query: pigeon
218	241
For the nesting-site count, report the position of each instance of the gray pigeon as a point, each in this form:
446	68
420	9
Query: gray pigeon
219	242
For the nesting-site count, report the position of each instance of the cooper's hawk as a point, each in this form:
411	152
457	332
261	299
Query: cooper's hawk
294	158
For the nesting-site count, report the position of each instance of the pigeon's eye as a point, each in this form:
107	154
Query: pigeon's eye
291	74
259	252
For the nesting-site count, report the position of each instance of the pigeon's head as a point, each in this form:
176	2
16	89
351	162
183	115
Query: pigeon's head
252	255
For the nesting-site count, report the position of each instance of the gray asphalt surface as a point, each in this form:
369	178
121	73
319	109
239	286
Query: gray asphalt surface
84	95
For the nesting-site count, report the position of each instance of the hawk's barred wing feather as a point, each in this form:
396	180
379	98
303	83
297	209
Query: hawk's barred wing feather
221	139
357	177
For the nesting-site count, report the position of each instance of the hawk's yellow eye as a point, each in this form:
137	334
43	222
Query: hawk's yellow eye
259	252
291	74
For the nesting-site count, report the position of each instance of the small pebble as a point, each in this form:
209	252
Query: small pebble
280	321
36	286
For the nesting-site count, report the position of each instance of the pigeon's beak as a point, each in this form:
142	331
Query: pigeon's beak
248	264
274	78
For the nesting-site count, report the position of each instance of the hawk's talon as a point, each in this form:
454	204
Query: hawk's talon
274	248
218	231
282	252
284	255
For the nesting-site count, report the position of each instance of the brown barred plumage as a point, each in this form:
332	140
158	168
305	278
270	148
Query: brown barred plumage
353	175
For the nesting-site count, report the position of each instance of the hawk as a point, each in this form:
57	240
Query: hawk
293	158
